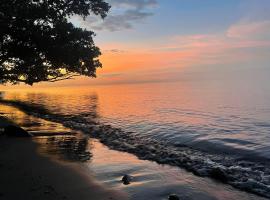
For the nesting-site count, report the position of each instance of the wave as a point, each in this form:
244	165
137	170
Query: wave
249	174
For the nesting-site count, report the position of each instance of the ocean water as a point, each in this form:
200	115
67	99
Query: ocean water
150	180
211	128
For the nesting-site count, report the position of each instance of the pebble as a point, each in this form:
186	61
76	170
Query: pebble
173	197
126	179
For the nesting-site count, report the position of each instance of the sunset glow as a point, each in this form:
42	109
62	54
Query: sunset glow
135	99
164	44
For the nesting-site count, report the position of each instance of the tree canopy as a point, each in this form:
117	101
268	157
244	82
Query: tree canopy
38	43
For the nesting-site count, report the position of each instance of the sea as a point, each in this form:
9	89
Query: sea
212	128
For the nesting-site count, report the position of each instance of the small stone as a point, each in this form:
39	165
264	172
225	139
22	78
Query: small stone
126	179
173	197
15	131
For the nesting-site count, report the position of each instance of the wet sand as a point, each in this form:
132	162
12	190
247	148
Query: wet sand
25	174
154	181
71	165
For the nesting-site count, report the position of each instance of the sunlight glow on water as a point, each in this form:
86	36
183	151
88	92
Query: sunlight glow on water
231	118
215	130
150	180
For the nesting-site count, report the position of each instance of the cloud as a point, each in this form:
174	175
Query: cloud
114	51
220	48
111	75
122	21
123	15
137	4
183	52
258	29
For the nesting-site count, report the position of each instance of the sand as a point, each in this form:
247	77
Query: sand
25	175
44	167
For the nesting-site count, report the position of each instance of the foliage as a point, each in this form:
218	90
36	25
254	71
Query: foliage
38	43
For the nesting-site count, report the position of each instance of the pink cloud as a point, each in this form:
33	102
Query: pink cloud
250	29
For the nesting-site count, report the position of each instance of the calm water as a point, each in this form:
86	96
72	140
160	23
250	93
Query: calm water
235	118
201	125
150	180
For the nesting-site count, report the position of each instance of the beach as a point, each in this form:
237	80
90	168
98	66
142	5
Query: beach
135	100
68	165
26	174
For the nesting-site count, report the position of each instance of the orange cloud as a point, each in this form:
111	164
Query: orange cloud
140	61
166	58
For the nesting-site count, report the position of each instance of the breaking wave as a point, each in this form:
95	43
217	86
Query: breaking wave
249	173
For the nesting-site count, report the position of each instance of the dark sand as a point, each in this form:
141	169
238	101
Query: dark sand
47	167
26	175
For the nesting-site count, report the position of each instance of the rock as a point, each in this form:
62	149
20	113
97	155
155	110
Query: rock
126	179
15	131
219	174
173	197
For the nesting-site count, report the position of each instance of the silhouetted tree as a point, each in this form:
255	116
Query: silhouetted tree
38	43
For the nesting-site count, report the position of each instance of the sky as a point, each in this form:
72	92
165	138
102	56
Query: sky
173	40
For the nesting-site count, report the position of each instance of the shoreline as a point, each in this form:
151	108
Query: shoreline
44	168
26	174
226	169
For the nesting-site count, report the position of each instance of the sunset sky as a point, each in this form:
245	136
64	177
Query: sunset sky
171	40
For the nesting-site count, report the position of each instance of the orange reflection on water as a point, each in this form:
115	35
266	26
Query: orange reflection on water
101	155
176	103
34	125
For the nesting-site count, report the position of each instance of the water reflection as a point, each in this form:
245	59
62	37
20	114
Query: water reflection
84	105
69	148
202	115
53	138
2	94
